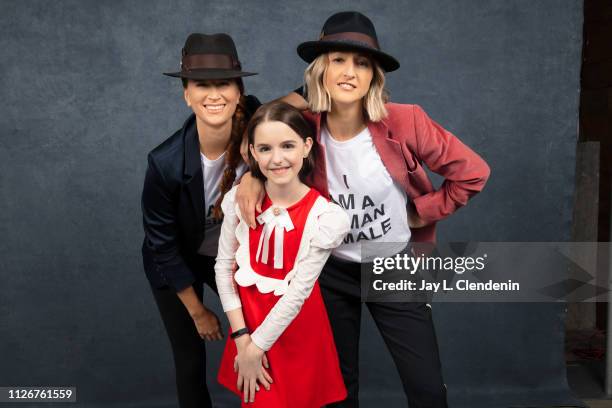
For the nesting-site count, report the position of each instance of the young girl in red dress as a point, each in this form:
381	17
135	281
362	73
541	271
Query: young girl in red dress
280	336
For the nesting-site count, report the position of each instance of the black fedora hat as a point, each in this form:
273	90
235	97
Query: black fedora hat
348	30
211	56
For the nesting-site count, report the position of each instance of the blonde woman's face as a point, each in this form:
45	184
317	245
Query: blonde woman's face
348	77
213	101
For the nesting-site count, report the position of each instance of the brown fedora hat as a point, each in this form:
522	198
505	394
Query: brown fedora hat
211	56
348	31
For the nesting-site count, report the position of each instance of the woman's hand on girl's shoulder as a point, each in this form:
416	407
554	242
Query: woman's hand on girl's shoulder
249	196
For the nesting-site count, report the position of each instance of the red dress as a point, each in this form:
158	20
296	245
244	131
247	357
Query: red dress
303	361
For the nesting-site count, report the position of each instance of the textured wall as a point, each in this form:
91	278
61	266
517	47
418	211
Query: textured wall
83	101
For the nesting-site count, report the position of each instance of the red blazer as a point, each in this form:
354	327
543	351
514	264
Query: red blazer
405	140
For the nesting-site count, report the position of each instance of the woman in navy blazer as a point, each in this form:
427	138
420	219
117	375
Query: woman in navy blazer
181	204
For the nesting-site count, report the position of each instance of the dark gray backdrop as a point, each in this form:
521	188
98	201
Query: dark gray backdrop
83	100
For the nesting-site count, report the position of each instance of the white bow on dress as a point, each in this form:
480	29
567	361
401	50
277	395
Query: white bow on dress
274	219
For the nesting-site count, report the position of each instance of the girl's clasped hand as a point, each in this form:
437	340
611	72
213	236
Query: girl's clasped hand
251	366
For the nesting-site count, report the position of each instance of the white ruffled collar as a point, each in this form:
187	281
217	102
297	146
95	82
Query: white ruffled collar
246	276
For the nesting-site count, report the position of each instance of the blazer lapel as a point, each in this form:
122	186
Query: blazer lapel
390	152
194	179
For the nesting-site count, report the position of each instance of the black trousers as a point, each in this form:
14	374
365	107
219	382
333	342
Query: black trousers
188	348
406	327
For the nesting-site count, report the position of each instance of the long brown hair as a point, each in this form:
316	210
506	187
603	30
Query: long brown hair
233	158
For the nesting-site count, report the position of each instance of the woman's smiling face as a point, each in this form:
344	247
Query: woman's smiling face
348	76
279	152
213	101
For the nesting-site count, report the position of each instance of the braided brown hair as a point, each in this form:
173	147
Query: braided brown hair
232	155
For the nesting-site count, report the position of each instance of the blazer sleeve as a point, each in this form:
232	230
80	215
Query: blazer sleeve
465	172
161	230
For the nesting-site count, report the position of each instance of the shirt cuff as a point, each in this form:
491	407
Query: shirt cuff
259	341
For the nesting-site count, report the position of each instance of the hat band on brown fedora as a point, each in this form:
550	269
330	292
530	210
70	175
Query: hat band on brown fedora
351	36
208	61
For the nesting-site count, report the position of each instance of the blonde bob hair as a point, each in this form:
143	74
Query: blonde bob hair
319	99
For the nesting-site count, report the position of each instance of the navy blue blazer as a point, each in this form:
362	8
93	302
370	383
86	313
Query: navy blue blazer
173	208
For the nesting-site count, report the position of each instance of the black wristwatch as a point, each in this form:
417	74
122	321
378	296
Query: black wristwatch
239	333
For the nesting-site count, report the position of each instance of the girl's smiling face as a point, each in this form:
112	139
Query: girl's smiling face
279	152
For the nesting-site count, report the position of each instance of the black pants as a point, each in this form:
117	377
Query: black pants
188	348
406	327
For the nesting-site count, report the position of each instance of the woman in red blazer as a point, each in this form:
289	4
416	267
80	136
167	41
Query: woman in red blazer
370	158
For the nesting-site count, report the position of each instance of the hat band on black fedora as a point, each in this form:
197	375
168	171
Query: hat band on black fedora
351	36
208	61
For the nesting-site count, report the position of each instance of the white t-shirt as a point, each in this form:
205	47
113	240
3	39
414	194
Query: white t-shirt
213	172
359	182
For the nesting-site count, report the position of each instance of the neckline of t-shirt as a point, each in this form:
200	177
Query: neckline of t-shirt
345	143
211	163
